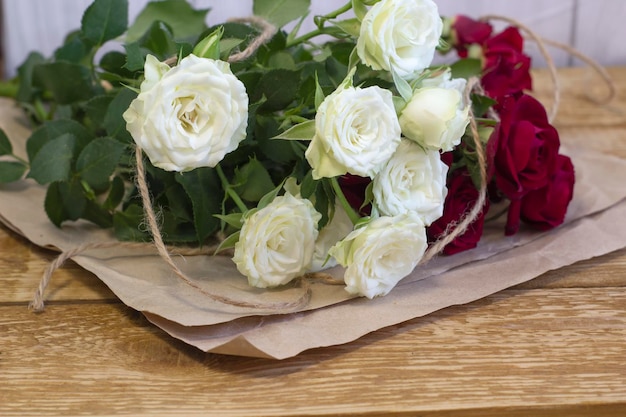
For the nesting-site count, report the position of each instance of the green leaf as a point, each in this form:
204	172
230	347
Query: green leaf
104	20
68	82
126	224
54	161
11	171
27	90
359	9
202	185
269	197
403	87
308	185
228	243
466	68
53	204
135	56
279	87
5	145
114	123
64	201
97	214
116	194
351	26
234	219
98	160
184	21
52	130
280	12
73	50
159	40
252	181
96	109
481	104
301	131
319	93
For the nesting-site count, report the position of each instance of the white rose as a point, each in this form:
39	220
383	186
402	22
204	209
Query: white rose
276	243
381	253
413	180
338	228
189	116
356	131
400	36
436	116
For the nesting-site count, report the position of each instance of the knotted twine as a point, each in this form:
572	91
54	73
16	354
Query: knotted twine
452	232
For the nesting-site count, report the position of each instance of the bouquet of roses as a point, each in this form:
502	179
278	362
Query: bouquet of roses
293	155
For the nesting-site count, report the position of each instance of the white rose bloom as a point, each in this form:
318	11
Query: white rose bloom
276	243
189	116
357	130
436	116
381	253
400	36
413	180
338	228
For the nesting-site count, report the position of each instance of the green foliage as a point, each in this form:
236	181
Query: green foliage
98	160
66	81
466	68
54	160
104	20
281	12
200	185
184	21
82	152
11	171
5	145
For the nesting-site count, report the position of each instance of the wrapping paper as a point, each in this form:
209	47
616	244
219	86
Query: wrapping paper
594	226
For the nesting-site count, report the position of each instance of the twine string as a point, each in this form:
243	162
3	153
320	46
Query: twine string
157	237
267	32
455	230
599	69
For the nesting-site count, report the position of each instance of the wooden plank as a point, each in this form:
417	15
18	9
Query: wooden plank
549	351
579	88
22	265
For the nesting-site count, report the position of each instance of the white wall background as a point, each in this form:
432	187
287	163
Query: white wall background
595	27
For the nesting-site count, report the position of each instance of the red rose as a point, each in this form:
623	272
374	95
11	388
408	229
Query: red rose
506	69
353	188
462	194
545	208
526	147
526	150
467	31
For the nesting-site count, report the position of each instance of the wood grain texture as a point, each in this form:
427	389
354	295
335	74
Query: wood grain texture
512	349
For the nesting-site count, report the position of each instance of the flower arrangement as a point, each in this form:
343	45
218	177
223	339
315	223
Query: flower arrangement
293	155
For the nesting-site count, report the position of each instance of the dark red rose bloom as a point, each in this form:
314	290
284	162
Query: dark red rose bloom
526	147
526	150
467	31
462	194
545	208
353	188
506	69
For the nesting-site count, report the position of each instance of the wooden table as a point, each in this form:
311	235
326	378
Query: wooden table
555	346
